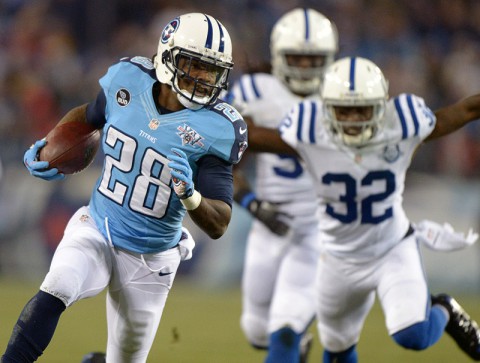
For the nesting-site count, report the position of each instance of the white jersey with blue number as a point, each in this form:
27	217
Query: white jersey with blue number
279	178
134	204
360	190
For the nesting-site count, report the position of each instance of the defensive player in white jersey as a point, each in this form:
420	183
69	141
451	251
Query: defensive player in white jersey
358	146
169	147
279	268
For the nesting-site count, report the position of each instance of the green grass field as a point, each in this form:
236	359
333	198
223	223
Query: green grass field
201	326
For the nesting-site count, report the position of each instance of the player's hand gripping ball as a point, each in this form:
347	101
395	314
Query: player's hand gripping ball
71	147
40	169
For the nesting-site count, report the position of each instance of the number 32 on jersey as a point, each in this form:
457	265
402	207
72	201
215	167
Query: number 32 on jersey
350	196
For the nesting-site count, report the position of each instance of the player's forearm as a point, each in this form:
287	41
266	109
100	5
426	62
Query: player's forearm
471	106
212	216
451	118
263	139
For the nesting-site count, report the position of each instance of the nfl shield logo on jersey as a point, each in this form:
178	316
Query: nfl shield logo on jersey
153	125
241	149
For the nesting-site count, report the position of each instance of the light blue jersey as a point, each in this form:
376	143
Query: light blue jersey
133	203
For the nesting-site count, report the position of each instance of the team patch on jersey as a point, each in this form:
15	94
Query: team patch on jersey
189	136
169	30
391	153
241	148
153	124
123	97
84	218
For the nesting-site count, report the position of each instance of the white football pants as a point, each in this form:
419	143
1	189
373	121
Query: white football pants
278	283
138	285
347	292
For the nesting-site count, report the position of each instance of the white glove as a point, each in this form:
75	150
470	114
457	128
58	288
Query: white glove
186	244
443	238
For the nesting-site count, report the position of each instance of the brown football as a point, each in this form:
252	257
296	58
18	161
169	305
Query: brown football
71	147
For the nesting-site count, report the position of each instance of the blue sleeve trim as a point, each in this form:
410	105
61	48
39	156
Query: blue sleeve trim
254	87
242	91
402	118
414	114
313	116
300	121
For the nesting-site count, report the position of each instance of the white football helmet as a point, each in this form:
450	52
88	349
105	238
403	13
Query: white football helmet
354	82
302	32
200	38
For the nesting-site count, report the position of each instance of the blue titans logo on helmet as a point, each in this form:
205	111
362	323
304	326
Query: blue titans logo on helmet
169	30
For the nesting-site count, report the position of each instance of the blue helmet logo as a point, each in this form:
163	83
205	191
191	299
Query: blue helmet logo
169	30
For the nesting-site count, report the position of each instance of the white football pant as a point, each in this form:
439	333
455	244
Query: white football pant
138	285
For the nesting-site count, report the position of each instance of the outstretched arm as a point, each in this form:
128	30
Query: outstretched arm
453	117
262	139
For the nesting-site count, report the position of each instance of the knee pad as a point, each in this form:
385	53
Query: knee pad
255	330
64	283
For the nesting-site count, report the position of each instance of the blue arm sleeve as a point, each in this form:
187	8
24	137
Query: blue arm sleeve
96	111
215	179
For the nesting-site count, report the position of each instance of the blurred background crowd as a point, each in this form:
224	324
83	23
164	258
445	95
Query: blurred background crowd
52	53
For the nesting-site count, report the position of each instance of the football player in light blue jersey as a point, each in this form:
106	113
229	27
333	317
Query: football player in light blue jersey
357	145
169	146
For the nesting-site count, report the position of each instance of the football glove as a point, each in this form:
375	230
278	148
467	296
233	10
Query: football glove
186	244
182	175
37	168
266	212
443	237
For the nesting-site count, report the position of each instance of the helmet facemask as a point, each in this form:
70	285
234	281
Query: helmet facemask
362	128
303	80
197	79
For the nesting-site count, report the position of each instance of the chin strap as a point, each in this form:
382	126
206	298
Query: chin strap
187	103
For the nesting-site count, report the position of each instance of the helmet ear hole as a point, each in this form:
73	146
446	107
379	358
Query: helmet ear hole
166	57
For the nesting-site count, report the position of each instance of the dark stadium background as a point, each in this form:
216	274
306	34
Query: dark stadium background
51	56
